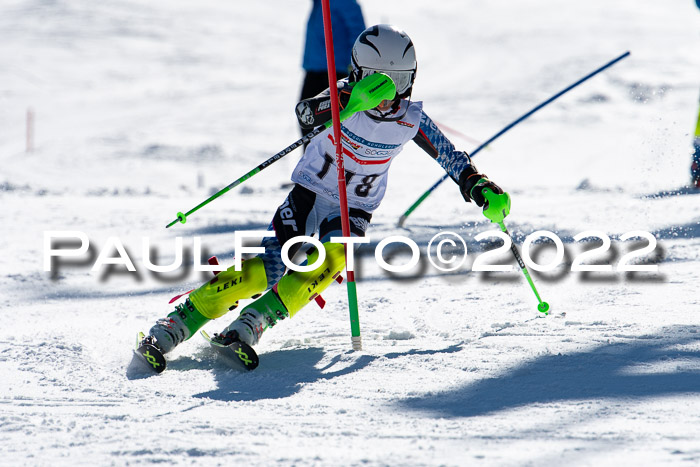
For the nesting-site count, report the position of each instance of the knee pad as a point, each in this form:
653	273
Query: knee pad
296	289
214	298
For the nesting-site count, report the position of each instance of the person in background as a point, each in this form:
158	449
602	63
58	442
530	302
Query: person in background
695	164
347	23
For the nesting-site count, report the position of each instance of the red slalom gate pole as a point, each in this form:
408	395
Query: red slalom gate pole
342	192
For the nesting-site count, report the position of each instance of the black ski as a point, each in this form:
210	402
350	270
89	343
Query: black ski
239	353
149	354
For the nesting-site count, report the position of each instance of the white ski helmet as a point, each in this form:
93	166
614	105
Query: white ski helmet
386	49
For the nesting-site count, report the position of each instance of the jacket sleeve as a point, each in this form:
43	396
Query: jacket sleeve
316	111
436	144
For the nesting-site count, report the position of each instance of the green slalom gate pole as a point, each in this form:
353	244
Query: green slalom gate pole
498	207
366	94
413	207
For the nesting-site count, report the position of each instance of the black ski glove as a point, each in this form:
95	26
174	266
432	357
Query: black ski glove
316	111
471	184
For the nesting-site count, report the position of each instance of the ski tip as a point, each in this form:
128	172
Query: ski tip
246	355
150	355
239	352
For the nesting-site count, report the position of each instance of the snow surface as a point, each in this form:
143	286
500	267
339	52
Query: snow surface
142	109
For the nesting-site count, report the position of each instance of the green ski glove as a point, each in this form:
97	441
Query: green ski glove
476	187
497	205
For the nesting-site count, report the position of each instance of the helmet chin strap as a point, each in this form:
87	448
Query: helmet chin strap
388	115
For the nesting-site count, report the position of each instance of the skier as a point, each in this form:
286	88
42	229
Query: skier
370	141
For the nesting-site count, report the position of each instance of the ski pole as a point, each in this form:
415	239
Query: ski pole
366	94
413	207
497	208
542	306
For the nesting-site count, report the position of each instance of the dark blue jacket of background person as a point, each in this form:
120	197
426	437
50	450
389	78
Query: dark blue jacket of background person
347	23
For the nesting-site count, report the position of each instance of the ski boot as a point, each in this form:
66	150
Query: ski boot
254	319
212	300
288	296
176	328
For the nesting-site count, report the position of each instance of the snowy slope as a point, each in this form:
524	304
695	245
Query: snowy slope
143	108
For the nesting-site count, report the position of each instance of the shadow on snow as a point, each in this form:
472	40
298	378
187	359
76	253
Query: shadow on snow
651	366
283	373
647	367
